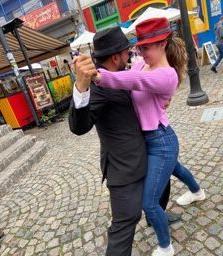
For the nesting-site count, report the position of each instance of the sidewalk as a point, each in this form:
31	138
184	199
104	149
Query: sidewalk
61	208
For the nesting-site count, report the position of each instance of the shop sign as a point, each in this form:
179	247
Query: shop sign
42	16
39	91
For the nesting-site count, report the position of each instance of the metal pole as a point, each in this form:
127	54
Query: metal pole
15	68
197	96
17	35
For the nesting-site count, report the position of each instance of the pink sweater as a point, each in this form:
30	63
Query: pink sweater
150	91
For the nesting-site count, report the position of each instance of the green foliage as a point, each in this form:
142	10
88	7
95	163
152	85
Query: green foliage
47	118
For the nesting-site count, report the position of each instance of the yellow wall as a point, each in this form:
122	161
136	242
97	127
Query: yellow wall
8	113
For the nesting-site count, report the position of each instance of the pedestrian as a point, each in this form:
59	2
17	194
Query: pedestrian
123	149
219	43
153	82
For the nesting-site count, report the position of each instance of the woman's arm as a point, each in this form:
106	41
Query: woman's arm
160	80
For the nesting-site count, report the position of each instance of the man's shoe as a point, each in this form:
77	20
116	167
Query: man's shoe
173	217
189	197
160	252
214	69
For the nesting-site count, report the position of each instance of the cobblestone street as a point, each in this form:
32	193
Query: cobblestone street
61	208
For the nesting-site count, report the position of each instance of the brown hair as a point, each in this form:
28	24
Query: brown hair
177	55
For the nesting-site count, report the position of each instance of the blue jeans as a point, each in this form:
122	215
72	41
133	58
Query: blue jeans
220	57
162	150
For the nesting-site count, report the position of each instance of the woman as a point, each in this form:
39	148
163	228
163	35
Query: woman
153	82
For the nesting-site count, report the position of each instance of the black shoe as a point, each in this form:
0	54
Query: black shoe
214	69
172	218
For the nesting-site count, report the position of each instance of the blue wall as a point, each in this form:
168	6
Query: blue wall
209	35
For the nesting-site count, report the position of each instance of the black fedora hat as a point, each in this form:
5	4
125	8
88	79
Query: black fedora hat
109	41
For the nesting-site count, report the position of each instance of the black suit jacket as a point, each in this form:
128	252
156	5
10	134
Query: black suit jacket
123	152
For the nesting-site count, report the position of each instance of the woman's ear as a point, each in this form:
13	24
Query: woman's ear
163	44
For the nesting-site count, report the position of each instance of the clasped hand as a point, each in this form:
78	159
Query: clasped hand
85	70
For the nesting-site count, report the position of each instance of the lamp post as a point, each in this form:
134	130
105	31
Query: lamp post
197	96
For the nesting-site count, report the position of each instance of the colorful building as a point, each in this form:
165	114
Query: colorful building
100	14
208	14
56	18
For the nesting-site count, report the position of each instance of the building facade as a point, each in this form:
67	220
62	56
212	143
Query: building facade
100	14
57	18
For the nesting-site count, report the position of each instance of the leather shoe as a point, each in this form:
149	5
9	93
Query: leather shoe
172	218
214	69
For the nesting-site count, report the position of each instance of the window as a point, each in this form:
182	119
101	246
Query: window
104	9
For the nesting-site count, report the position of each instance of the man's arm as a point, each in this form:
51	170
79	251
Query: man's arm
86	105
81	120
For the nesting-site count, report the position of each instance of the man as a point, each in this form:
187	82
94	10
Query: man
123	152
219	43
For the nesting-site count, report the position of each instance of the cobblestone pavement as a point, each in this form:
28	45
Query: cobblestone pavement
61	208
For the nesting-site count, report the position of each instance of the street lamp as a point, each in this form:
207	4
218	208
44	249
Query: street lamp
197	96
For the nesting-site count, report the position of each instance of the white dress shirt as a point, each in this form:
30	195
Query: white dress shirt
81	99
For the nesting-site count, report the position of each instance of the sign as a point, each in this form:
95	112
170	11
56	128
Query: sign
208	54
39	90
215	7
42	16
53	63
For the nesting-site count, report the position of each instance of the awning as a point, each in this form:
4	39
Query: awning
38	46
83	40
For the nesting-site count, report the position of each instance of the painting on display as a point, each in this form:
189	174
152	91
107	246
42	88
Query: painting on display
215	7
61	88
208	53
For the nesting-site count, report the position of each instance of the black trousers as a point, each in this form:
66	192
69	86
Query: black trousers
126	206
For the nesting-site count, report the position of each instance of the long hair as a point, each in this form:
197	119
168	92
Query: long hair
177	55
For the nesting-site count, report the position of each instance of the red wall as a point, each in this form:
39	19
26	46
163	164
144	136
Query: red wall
21	109
89	19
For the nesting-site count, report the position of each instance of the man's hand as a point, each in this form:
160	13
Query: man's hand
85	70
